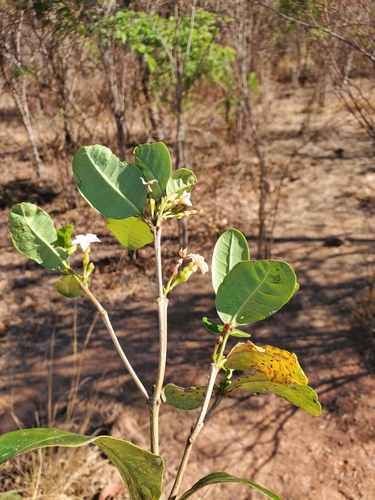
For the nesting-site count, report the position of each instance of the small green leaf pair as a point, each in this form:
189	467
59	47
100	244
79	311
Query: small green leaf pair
248	291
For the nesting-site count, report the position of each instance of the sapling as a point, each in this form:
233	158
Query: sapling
137	200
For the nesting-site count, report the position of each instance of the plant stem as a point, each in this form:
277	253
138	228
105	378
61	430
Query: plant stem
106	321
154	401
215	368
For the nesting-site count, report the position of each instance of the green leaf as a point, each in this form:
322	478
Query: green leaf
218	329
254	290
64	236
34	235
302	396
182	181
230	249
132	232
141	470
68	286
111	187
10	496
224	477
278	365
154	161
183	399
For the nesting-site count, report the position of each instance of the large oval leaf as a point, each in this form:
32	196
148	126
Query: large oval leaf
278	365
224	477
154	161
34	235
230	249
112	187
132	233
302	396
141	470
254	290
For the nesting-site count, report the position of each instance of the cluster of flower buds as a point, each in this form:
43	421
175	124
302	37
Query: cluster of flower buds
182	274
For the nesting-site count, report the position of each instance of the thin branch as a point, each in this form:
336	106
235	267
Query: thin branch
107	322
190	37
162	303
195	430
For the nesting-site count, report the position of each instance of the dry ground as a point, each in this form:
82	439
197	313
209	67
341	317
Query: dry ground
325	230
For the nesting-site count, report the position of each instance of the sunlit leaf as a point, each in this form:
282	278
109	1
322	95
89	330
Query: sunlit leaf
68	286
230	249
224	477
182	398
110	186
254	290
34	235
155	162
302	396
181	181
277	364
218	329
132	233
141	470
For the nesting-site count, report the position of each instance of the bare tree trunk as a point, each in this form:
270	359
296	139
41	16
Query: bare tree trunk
248	113
16	79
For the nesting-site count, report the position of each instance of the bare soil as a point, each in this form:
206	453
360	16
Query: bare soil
325	230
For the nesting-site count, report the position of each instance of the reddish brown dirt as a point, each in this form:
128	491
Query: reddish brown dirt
325	230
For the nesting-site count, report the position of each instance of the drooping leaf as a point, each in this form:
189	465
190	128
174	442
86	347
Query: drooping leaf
110	186
181	181
224	477
68	286
34	235
302	396
141	470
254	290
278	365
230	249
132	233
64	236
182	398
154	161
218	329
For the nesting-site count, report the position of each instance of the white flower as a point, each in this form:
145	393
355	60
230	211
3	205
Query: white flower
198	263
185	200
84	240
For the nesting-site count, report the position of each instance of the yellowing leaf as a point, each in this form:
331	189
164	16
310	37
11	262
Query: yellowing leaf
276	364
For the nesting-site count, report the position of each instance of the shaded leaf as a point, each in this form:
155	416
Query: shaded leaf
132	233
224	477
141	470
217	329
34	235
230	249
254	290
302	396
278	365
68	286
154	161
182	181
183	399
110	186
